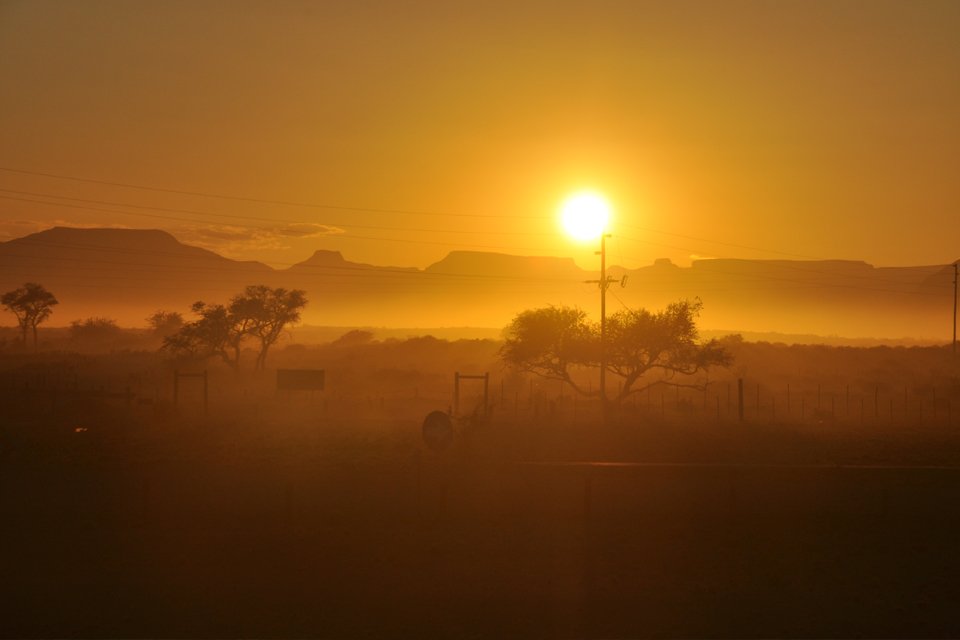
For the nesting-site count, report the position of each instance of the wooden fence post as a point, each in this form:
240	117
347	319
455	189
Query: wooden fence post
486	394
740	399
456	393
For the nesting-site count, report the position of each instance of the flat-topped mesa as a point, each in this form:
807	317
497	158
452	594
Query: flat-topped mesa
776	272
123	246
326	258
500	264
743	263
104	237
322	258
664	263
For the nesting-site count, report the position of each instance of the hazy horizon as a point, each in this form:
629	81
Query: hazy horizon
128	275
281	266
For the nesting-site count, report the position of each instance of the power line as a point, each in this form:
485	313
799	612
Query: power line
413	278
726	244
244	217
287	203
363	269
783	265
754	277
428	242
622	303
344	208
374	227
350	236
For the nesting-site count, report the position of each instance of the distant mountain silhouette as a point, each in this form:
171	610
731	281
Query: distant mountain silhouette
500	264
121	273
128	274
326	259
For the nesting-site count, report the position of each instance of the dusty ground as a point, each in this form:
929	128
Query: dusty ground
293	526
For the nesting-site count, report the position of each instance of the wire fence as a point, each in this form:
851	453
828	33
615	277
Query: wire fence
744	401
511	398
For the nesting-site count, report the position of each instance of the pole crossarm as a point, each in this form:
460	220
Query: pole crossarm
604	284
955	309
610	280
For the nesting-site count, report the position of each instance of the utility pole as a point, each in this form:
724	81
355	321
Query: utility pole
955	309
604	283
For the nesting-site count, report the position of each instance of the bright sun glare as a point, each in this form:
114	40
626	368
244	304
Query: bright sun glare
585	215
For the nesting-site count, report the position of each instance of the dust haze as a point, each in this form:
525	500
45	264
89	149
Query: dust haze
126	275
431	485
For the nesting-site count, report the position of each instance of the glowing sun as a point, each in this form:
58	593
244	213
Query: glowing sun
585	215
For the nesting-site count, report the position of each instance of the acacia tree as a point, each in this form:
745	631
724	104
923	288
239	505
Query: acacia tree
550	341
220	330
216	332
269	312
31	304
639	341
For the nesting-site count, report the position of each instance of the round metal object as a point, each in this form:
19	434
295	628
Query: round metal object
438	430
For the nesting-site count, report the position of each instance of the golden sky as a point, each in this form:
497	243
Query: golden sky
734	129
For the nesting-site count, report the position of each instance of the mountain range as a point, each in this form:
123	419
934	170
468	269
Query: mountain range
128	274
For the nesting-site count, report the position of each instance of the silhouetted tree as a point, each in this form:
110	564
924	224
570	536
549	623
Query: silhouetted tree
353	338
216	332
259	312
94	329
31	304
269	311
550	341
639	341
165	323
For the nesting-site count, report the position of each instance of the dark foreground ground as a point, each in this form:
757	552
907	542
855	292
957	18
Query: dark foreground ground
290	527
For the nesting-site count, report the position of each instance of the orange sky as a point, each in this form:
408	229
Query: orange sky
820	129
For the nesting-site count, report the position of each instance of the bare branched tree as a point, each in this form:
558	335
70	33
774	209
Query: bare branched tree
31	304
